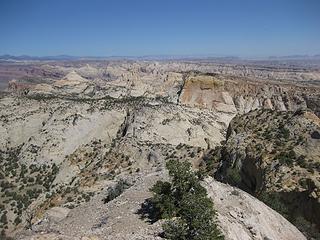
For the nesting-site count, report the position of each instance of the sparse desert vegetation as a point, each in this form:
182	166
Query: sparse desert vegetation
91	142
184	203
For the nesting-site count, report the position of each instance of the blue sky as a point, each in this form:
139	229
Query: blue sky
162	27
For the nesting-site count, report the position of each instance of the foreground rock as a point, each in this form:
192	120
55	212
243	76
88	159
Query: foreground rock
243	217
240	217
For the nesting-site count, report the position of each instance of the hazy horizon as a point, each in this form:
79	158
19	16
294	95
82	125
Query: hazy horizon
165	56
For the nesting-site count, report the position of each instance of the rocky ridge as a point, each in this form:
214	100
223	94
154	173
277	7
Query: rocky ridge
64	142
240	216
276	157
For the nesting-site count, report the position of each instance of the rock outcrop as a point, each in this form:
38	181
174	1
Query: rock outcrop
239	215
243	217
240	95
276	157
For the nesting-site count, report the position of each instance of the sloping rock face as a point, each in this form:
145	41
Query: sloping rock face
276	157
59	152
243	217
239	215
241	95
48	131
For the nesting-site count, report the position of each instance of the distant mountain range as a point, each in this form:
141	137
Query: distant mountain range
298	57
35	58
8	57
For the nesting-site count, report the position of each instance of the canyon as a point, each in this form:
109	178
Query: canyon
72	130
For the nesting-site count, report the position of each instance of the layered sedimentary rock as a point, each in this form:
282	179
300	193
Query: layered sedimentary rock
238	95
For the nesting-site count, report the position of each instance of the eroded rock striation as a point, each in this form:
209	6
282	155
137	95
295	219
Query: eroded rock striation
239	95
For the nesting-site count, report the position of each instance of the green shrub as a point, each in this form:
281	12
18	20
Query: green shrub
17	220
211	161
176	229
287	157
274	201
185	205
306	227
117	190
301	160
284	132
233	175
3	219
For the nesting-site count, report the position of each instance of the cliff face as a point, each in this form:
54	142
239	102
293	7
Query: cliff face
241	95
206	91
276	157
